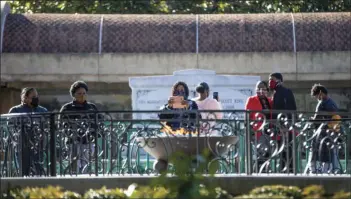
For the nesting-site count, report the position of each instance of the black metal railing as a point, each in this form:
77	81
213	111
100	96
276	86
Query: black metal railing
104	143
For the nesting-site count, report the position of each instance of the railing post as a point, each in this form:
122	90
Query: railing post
52	145
22	149
96	128
248	152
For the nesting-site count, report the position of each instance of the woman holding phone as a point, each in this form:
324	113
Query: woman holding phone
179	101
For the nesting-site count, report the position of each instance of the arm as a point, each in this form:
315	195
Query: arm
13	110
290	101
214	105
163	116
249	106
63	109
193	106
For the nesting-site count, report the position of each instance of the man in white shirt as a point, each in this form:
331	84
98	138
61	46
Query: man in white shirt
204	102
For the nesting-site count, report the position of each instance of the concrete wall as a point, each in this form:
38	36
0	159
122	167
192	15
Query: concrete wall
117	96
333	65
234	184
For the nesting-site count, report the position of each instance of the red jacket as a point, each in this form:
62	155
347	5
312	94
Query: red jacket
253	103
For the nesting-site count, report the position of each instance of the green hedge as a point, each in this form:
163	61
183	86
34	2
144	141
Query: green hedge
135	191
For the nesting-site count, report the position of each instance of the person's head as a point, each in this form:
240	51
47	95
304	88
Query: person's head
262	89
319	92
29	96
79	90
203	89
180	89
275	79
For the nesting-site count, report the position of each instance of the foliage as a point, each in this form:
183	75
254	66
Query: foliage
104	193
135	191
276	190
342	195
177	6
313	191
40	193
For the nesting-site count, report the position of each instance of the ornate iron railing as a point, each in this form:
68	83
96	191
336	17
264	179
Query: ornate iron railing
103	143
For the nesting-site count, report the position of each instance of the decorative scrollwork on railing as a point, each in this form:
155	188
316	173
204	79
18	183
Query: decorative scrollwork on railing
105	143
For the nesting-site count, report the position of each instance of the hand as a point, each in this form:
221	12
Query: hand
185	103
170	102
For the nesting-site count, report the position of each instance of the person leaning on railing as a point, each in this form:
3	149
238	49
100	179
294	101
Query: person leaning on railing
30	104
324	158
72	115
180	119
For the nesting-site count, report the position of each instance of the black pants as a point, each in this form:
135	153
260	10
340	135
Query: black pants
31	157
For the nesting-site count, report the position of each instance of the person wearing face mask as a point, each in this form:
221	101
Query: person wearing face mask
180	119
263	105
283	100
30	104
259	102
204	102
73	114
323	159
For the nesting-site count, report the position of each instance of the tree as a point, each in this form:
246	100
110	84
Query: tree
177	6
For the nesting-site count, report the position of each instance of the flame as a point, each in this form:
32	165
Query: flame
182	131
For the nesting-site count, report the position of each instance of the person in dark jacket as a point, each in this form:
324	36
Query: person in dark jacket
180	119
83	125
30	104
323	158
283	100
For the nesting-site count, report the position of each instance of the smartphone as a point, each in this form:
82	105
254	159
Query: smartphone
215	95
177	101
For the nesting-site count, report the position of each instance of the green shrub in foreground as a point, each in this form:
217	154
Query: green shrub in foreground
135	191
104	193
40	193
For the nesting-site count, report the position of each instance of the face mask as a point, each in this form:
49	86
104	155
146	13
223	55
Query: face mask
179	93
81	99
35	102
272	84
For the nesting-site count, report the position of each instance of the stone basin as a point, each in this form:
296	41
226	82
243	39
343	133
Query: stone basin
162	148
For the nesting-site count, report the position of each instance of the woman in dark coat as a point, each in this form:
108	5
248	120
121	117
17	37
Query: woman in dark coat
80	128
181	119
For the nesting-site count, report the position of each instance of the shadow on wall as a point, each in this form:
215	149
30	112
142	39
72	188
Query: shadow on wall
55	105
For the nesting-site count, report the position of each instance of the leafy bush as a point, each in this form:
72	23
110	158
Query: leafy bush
250	196
313	191
40	193
278	190
198	191
135	191
104	193
342	195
